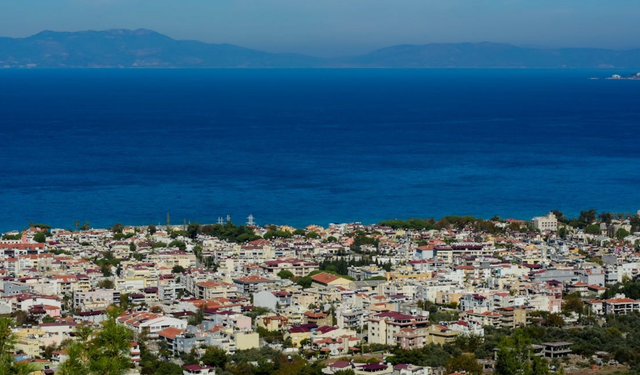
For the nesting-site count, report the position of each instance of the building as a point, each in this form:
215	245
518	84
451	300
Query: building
325	279
151	323
250	284
557	349
549	222
384	327
620	306
298	267
95	299
198	370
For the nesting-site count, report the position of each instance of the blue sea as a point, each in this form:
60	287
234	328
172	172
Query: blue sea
313	146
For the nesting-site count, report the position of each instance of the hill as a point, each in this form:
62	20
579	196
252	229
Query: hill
145	48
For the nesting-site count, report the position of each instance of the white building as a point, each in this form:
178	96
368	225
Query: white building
549	222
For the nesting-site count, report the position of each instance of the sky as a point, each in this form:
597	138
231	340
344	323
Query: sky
341	27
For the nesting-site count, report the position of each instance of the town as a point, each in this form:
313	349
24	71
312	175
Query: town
405	297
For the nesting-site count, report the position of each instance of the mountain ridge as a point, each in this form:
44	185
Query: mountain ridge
124	48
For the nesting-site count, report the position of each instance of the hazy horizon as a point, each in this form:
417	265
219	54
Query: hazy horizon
336	27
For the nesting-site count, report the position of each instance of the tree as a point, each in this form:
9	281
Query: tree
167	368
573	303
197	318
152	229
193	230
277	234
40	237
48	319
8	366
513	355
215	356
48	351
466	363
257	311
124	301
622	233
105	352
106	284
285	274
555	320
117	228
305	282
586	217
606	217
635	223
592	229
132	247
560	216
85	226
538	366
312	235
77	363
177	269
344	372
264	367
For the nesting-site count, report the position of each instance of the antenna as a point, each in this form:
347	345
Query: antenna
220	220
228	218
250	221
168	221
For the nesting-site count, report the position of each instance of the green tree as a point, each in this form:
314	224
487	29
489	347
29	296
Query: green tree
592	229
40	237
573	303
467	363
106	284
606	217
117	228
48	319
264	367
197	318
109	353
8	366
215	356
538	366
344	372
78	361
305	282
257	311
151	229
285	274
513	355
622	233
555	320
193	230
85	226
179	244
177	269
167	368
586	218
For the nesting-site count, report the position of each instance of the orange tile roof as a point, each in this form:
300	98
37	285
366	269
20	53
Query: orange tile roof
324	278
170	332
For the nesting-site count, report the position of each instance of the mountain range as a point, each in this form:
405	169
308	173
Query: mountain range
145	48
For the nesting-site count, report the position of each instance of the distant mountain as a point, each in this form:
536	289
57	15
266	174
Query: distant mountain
135	48
146	48
494	55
